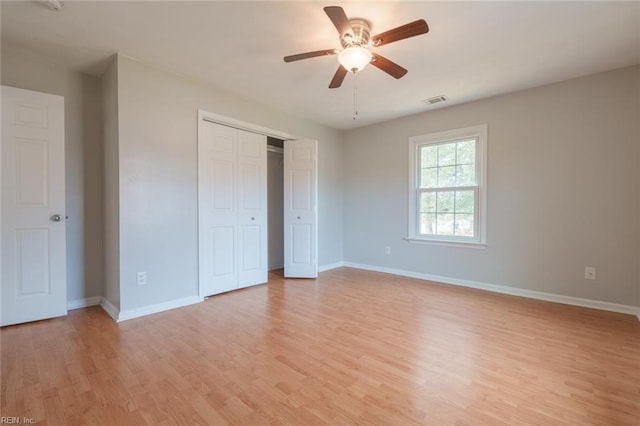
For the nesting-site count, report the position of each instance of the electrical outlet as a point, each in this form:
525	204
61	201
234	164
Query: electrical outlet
141	278
387	250
590	273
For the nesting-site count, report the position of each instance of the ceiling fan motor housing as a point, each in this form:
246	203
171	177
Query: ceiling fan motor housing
361	34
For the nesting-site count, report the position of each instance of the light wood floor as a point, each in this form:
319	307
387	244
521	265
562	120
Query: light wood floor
351	347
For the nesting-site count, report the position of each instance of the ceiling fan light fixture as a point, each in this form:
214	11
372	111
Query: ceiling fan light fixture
354	58
356	39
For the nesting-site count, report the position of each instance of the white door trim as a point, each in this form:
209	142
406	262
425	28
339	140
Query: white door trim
242	125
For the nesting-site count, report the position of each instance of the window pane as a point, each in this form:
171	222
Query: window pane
446	176
429	178
428	202
464	225
447	154
465	201
467	152
444	224
445	202
429	156
466	175
427	223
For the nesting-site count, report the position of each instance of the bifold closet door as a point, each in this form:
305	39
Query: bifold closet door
300	209
252	208
232	208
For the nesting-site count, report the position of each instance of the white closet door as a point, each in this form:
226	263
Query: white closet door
232	199
252	208
217	208
300	200
34	284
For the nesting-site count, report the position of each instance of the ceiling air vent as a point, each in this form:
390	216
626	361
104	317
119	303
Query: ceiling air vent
435	100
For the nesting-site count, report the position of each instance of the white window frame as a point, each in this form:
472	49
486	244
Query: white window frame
478	132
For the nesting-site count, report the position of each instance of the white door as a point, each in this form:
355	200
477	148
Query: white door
232	172
300	215
217	208
34	276
252	208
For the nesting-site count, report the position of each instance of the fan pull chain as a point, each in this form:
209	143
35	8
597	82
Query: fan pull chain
355	96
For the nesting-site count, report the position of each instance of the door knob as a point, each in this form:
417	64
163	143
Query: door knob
56	218
253	218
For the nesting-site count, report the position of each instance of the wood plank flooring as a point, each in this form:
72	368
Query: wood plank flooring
351	347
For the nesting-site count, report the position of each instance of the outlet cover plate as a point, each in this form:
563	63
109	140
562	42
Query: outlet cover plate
590	273
141	278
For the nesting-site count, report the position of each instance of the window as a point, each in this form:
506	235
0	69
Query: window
447	199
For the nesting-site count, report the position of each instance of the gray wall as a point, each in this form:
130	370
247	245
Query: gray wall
563	175
564	182
637	119
158	178
111	162
83	161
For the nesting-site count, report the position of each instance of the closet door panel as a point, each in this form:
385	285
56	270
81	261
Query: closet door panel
217	189
252	209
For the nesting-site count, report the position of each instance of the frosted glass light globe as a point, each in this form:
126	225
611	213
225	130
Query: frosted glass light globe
354	58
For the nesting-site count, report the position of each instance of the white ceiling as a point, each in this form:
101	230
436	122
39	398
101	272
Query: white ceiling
473	50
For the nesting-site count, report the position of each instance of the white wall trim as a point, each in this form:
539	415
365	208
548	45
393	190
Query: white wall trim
331	266
110	309
160	307
83	303
119	316
531	294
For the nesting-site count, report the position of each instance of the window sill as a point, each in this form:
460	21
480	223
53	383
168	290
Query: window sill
464	244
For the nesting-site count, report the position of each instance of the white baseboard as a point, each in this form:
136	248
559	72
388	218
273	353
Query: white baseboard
83	303
274	267
330	266
119	316
110	309
549	297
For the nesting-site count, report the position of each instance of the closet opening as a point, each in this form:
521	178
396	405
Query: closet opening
275	203
257	205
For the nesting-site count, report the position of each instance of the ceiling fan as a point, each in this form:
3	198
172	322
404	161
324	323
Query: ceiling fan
357	43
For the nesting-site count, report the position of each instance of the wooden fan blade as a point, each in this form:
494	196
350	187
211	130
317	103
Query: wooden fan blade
307	55
338	77
339	19
400	33
388	66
